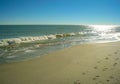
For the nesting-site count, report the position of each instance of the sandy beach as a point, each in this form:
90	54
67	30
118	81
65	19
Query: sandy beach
84	64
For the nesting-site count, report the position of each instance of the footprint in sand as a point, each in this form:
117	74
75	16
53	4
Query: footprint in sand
117	59
114	64
111	77
77	82
97	76
106	58
107	80
95	67
98	61
104	69
83	73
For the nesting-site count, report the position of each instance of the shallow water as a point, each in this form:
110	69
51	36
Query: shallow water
22	42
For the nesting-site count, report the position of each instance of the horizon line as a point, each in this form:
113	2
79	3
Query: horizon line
62	24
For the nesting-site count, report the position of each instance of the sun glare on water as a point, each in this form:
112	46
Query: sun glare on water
102	28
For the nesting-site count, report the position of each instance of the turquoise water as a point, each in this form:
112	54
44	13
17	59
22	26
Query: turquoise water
23	42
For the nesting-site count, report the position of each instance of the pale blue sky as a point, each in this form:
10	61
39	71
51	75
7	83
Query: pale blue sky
60	12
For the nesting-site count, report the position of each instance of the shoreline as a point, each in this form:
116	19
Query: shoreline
86	63
37	57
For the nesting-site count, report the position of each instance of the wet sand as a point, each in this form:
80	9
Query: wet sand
84	64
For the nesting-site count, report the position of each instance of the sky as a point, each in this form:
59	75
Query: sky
60	12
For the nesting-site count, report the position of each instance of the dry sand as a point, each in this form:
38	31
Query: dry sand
85	64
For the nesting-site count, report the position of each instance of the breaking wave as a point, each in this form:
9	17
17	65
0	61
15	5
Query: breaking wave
11	41
19	43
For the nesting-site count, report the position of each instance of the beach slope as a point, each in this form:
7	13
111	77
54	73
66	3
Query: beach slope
84	64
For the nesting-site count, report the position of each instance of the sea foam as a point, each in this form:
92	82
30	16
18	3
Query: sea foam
11	41
28	39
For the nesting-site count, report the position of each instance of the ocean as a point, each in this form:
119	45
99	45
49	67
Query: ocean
24	42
